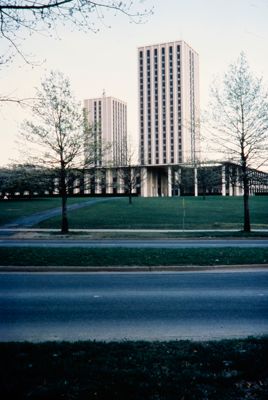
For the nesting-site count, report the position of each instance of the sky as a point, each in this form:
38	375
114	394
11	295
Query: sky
217	29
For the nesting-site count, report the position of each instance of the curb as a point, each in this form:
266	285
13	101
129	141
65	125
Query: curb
171	268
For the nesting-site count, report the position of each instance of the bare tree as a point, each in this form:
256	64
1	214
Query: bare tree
182	180
20	18
209	179
130	176
57	133
240	122
129	173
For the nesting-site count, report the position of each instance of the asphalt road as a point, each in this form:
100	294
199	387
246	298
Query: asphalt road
150	306
137	243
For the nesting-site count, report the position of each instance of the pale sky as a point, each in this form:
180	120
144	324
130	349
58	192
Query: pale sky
217	29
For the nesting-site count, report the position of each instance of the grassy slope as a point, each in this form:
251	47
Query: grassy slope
225	370
12	209
213	212
166	213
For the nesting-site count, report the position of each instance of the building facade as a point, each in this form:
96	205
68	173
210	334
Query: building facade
107	117
168	104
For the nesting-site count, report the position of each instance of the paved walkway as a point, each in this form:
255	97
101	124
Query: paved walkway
137	243
128	269
4	228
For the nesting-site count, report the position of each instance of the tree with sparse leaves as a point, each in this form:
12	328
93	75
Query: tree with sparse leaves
209	179
21	18
129	173
239	120
57	134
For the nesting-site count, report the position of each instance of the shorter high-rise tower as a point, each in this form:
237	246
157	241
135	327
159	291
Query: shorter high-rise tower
107	117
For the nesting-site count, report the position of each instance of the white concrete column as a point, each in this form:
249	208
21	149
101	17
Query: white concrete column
144	182
133	179
238	185
109	181
56	186
120	182
177	178
231	192
169	182
76	186
98	182
195	182
86	183
223	181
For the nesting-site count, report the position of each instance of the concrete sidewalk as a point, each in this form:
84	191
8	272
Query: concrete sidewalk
127	268
128	234
14	229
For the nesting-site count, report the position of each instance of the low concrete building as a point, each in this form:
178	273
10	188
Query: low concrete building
223	178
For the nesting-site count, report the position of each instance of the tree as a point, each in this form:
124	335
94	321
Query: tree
20	18
240	123
209	180
130	177
129	173
57	133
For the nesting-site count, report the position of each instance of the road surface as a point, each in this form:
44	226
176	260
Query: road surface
150	306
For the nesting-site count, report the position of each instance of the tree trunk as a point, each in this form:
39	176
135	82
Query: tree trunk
130	186
246	200
63	192
64	216
246	211
129	197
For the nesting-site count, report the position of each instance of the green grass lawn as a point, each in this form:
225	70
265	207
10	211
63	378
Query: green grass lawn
176	370
156	213
167	213
13	209
130	257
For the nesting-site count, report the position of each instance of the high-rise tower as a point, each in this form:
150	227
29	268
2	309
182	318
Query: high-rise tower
168	103
107	117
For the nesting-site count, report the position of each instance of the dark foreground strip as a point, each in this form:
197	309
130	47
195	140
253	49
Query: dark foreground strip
224	370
